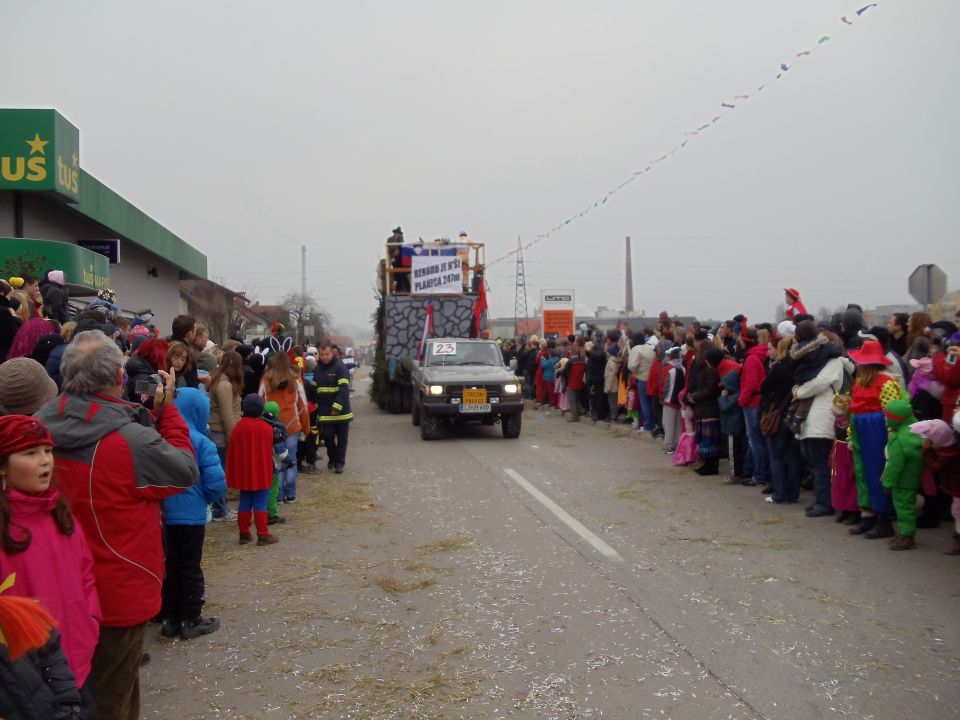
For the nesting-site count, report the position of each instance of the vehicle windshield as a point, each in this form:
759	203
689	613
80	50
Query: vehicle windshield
462	353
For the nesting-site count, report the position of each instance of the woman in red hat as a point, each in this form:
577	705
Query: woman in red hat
794	306
872	390
41	543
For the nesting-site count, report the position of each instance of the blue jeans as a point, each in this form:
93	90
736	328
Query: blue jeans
220	507
786	464
646	407
816	451
758	445
255	500
288	490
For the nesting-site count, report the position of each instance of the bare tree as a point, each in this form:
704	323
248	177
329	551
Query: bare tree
824	314
304	311
780	312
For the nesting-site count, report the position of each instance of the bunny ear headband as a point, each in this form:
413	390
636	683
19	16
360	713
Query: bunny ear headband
275	344
262	352
287	344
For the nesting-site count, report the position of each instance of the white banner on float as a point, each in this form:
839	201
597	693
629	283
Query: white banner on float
437	275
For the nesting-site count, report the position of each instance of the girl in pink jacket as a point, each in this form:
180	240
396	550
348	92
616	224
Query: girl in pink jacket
40	542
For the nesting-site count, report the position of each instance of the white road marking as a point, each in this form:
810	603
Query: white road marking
566	518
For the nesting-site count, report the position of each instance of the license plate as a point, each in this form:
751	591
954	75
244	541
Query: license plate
474	396
475	408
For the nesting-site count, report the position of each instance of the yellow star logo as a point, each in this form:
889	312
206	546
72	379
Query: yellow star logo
76	160
37	145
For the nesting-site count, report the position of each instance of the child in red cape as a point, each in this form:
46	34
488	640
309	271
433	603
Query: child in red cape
250	469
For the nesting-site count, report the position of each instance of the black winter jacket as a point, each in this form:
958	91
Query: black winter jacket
39	686
596	365
9	324
137	369
776	390
704	392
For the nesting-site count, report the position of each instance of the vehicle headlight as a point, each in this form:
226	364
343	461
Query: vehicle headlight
436	389
511	389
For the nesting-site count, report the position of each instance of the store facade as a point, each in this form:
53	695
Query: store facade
54	215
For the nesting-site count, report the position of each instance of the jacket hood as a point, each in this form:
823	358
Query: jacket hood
760	351
852	322
79	421
898	412
194	408
806	347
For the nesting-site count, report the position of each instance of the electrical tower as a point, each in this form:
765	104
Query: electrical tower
520	298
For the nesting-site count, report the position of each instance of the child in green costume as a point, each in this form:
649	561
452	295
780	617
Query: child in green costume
903	472
271	413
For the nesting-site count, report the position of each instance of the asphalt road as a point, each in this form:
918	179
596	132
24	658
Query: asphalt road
571	573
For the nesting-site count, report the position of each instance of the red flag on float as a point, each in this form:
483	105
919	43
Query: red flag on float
427	329
479	308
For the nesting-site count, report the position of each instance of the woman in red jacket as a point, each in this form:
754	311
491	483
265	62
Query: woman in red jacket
755	344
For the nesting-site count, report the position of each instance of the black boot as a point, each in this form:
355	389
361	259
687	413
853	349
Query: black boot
710	467
867	523
882	529
930	517
854	518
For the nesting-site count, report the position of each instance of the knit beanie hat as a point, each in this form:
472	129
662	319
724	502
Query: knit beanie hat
787	329
806	330
936	431
207	361
271	410
252	406
139	330
24	386
22	432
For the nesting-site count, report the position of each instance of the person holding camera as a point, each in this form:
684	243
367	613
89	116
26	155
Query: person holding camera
116	462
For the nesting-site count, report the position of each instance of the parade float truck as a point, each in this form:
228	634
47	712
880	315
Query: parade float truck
442	275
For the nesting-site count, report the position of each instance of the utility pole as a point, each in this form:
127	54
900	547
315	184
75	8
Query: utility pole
303	270
628	295
520	296
303	289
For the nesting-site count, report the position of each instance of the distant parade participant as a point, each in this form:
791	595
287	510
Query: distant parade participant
332	382
350	362
400	280
795	307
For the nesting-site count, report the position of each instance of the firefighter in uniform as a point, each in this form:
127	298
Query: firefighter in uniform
332	382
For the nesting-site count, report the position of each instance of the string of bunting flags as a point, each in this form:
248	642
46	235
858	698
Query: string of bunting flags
726	107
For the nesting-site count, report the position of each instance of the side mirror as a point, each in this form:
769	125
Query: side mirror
513	363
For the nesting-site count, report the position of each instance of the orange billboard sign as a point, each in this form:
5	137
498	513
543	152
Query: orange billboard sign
558	322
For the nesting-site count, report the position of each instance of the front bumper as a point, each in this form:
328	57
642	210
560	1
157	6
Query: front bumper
442	407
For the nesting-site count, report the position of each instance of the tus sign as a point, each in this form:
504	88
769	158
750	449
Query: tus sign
39	152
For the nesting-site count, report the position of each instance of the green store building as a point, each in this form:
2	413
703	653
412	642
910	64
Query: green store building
53	215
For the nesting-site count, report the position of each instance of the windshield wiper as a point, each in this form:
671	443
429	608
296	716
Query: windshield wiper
472	362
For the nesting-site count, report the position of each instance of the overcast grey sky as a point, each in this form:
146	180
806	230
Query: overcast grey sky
250	127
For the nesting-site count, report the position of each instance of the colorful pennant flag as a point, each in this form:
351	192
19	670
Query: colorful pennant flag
686	138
